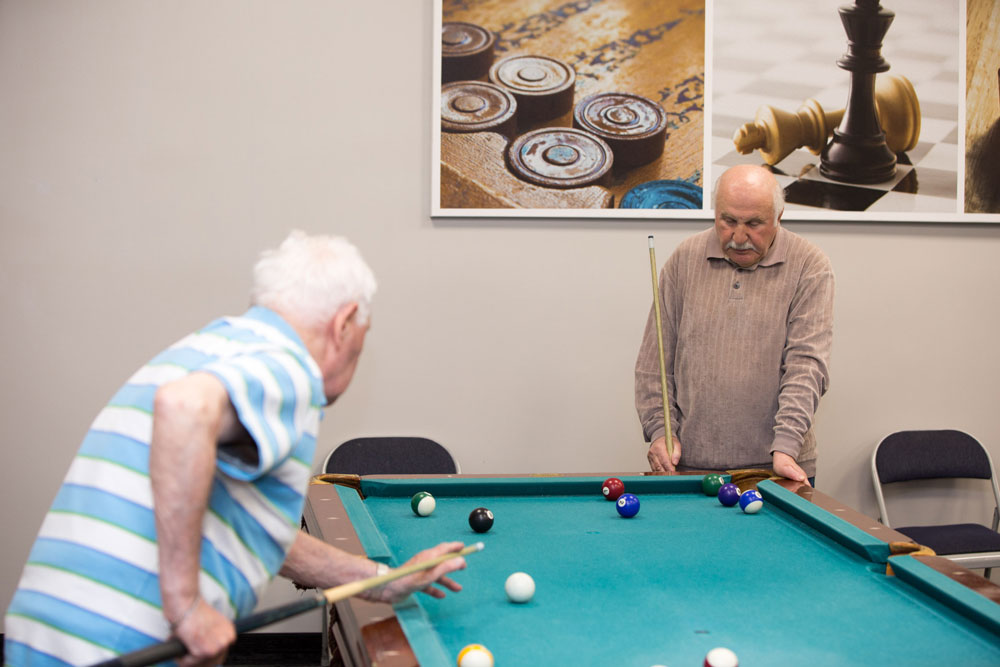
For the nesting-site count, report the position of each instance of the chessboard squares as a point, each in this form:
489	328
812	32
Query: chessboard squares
778	93
941	156
902	203
724	154
935	130
945	111
799	164
725	125
742	107
935	89
829	194
930	182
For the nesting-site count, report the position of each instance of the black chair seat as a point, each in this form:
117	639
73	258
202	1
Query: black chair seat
958	538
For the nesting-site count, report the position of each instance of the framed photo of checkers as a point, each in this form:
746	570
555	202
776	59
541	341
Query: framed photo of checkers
863	110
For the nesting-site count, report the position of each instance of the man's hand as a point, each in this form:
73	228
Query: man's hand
425	579
786	466
659	460
207	634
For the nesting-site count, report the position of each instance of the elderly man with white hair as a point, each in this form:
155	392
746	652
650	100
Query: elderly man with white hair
747	333
184	499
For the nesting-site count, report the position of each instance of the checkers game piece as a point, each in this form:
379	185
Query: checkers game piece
543	86
628	505
613	488
560	157
663	194
474	106
634	127
422	503
729	494
475	655
466	51
711	483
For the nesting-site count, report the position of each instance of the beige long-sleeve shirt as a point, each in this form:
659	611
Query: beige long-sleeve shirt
746	352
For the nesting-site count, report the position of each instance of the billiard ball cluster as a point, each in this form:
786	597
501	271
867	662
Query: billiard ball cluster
627	504
480	519
730	495
520	587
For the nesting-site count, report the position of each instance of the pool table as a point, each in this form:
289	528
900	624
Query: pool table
803	581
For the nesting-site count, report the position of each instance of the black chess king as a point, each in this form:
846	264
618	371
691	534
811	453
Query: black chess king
858	152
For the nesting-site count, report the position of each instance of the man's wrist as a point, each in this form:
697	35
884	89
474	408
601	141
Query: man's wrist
187	612
786	445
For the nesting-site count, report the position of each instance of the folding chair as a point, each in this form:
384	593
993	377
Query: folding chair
906	456
390	455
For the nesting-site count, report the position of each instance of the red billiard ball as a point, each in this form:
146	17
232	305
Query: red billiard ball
613	488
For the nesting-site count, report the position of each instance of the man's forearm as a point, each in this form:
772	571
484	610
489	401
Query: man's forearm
315	564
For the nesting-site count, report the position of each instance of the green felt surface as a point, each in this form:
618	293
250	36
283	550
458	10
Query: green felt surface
683	576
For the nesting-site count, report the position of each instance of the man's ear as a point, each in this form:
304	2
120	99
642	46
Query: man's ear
340	322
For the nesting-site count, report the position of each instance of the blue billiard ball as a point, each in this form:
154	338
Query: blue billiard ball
729	494
751	501
627	505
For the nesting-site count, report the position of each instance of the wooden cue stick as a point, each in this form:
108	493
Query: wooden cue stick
174	648
659	342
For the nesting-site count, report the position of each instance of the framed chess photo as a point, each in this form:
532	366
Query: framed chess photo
623	109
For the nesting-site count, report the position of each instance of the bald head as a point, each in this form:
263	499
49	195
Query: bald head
751	177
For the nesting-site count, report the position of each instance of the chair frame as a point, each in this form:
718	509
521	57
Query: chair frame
976	560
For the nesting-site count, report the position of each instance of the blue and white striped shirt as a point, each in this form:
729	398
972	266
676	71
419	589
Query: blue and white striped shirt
91	589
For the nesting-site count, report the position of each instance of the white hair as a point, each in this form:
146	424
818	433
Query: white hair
312	277
777	192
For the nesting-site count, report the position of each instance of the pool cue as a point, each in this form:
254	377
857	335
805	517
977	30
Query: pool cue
174	648
659	342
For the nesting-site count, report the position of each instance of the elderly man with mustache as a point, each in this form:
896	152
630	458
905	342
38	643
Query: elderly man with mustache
747	332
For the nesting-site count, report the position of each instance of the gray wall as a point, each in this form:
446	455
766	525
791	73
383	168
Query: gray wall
149	150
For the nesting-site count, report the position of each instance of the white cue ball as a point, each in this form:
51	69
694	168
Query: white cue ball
520	587
721	657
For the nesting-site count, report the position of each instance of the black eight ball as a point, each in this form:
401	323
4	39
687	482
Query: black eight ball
481	519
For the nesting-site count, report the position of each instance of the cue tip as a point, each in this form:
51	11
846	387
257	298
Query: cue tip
650	240
479	546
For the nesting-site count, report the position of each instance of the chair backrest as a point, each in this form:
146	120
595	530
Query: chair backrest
390	455
936	454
